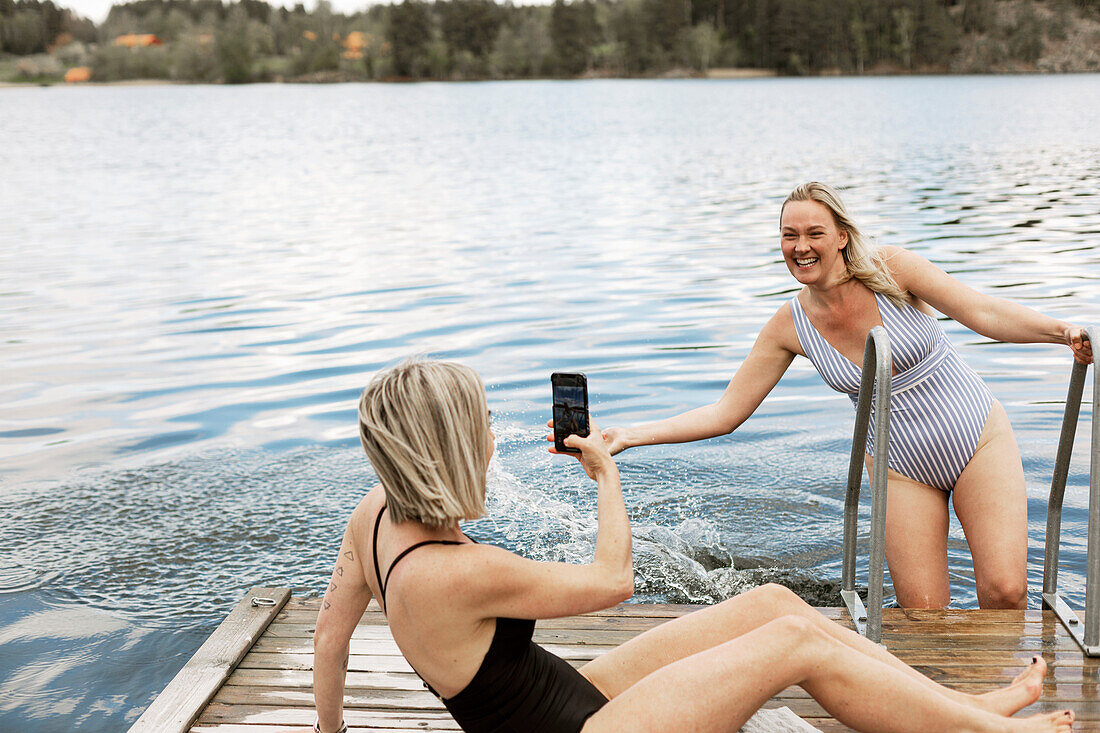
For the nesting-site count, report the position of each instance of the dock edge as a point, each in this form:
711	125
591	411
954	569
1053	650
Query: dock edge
179	704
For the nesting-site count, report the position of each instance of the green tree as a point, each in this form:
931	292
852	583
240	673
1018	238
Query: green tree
572	31
937	36
470	25
858	33
978	16
193	59
23	33
522	46
665	20
629	28
233	48
409	32
114	63
1026	40
904	25
700	46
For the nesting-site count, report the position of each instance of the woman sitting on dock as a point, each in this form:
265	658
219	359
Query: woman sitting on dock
463	613
948	436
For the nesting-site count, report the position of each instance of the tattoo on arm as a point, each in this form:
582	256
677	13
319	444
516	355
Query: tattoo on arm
332	587
326	606
340	570
349	555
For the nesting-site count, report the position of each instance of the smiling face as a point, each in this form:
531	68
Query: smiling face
812	243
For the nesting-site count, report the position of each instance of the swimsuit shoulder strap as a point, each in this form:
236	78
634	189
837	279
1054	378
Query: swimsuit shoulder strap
374	552
405	552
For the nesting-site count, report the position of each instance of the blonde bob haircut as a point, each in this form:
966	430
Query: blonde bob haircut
425	427
863	260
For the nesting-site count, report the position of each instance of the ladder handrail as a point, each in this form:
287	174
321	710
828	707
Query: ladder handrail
875	380
1089	641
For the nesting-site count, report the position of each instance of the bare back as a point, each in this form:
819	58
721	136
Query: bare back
431	624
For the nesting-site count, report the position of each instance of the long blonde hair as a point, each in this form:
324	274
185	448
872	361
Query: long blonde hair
425	427
863	260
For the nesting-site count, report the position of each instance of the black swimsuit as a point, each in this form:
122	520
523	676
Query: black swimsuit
520	687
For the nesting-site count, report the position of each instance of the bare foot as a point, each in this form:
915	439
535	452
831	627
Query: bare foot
1047	722
1023	691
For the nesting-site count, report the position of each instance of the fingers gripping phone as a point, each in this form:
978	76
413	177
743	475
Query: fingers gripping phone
570	408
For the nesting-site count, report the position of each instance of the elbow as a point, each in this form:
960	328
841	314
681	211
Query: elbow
326	643
726	424
624	587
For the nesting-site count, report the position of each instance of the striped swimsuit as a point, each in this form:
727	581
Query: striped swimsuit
938	405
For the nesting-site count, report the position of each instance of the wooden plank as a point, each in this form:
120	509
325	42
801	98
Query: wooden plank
623	609
973	651
303	625
355	697
1031	637
298	625
220	713
600	637
356	662
389	647
650	610
181	702
234	728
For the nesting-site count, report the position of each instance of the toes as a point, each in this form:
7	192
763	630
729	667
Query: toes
1038	667
1036	670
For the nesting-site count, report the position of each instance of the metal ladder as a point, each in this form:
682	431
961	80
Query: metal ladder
1087	633
873	381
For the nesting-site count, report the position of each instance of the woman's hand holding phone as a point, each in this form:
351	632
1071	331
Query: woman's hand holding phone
594	456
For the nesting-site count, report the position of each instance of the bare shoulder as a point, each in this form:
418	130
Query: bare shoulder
460	573
779	331
903	264
361	522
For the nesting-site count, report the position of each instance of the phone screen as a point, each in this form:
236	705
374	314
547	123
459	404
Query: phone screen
570	408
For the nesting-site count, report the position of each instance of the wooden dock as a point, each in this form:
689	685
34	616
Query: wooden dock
254	673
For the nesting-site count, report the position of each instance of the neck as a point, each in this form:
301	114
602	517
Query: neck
449	532
834	291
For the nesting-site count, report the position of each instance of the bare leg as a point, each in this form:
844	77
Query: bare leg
719	689
619	669
991	502
916	551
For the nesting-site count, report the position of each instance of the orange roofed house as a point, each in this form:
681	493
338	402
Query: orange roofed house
136	40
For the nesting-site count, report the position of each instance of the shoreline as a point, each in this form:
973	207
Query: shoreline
710	75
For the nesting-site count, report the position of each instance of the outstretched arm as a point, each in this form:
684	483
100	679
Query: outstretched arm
497	583
995	318
765	365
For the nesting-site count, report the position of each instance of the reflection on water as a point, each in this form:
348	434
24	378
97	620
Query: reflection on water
71	667
196	282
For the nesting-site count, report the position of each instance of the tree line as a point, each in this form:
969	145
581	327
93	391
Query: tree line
250	40
29	26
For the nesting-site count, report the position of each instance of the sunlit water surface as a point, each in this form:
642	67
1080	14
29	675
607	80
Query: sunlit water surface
196	283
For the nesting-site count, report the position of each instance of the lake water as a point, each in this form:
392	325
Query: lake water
196	283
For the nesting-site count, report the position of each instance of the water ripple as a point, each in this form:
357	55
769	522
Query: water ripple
179	390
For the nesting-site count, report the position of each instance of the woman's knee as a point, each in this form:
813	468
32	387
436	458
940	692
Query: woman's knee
779	598
799	632
1006	592
915	596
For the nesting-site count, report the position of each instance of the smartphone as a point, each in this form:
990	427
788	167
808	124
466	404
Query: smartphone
570	407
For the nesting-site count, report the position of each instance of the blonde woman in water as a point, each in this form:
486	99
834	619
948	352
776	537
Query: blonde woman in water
950	440
463	612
